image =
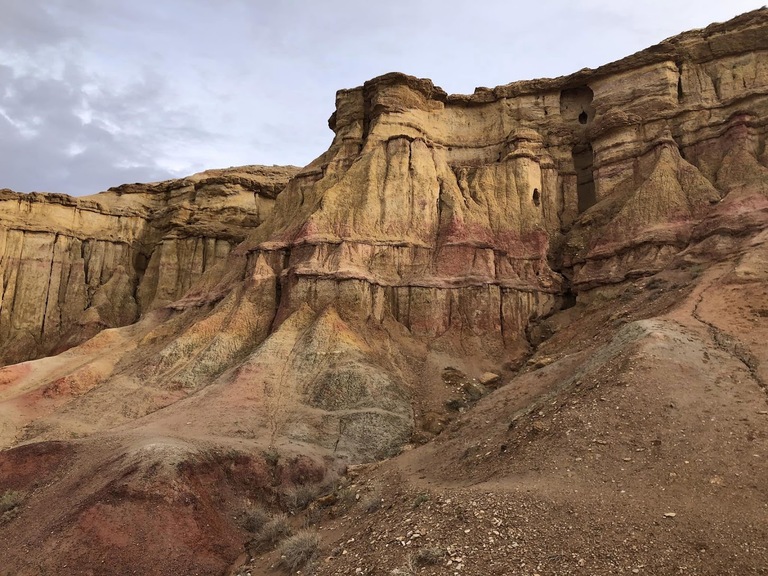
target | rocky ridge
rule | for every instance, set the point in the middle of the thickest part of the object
(556, 240)
(74, 266)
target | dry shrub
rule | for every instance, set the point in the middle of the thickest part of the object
(301, 469)
(347, 496)
(299, 550)
(254, 518)
(371, 502)
(297, 498)
(420, 499)
(428, 556)
(272, 531)
(10, 503)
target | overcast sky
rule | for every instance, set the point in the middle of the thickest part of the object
(95, 93)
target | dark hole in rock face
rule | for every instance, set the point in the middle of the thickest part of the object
(536, 197)
(576, 105)
(583, 158)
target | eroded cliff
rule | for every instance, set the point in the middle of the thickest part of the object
(442, 247)
(71, 267)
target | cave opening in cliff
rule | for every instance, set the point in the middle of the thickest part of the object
(568, 300)
(576, 104)
(536, 197)
(583, 160)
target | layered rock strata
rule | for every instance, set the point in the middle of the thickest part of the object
(273, 337)
(73, 266)
(462, 212)
(433, 232)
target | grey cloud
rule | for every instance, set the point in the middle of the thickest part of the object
(48, 141)
(66, 128)
(30, 25)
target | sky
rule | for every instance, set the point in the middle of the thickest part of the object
(96, 93)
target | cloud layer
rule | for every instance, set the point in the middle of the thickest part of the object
(95, 93)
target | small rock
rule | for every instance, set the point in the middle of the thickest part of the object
(540, 362)
(474, 390)
(490, 379)
(538, 427)
(670, 514)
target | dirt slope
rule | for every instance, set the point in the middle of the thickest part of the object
(643, 451)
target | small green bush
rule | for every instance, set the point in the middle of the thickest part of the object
(10, 500)
(420, 499)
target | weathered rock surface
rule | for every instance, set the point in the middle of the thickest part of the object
(73, 266)
(439, 226)
(440, 234)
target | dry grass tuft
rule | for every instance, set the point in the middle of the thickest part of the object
(371, 502)
(297, 498)
(299, 550)
(254, 519)
(428, 556)
(10, 500)
(274, 530)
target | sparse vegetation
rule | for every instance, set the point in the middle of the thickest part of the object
(696, 270)
(10, 500)
(420, 499)
(455, 405)
(313, 516)
(656, 284)
(272, 456)
(299, 550)
(297, 498)
(254, 518)
(9, 503)
(346, 498)
(275, 529)
(428, 556)
(371, 502)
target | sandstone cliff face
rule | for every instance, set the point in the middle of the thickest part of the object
(449, 213)
(434, 232)
(441, 237)
(73, 266)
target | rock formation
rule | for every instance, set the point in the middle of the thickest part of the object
(73, 266)
(276, 322)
